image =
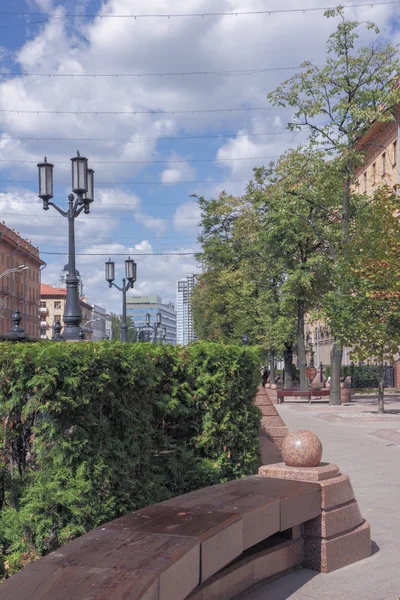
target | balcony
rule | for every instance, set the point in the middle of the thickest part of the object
(43, 310)
(44, 324)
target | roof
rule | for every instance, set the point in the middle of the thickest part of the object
(13, 237)
(49, 290)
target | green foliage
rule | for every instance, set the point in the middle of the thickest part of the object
(91, 431)
(116, 323)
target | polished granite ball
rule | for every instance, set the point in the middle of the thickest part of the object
(301, 448)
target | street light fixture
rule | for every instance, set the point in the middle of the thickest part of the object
(154, 327)
(14, 270)
(130, 274)
(82, 330)
(83, 187)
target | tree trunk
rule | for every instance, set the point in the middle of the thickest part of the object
(346, 206)
(336, 363)
(301, 348)
(288, 359)
(272, 368)
(381, 389)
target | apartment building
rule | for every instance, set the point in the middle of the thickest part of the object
(19, 290)
(184, 290)
(52, 304)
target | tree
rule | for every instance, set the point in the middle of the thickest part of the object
(298, 200)
(116, 323)
(238, 291)
(337, 104)
(266, 259)
(367, 315)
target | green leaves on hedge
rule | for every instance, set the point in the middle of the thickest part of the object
(91, 431)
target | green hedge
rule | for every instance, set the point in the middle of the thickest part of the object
(91, 431)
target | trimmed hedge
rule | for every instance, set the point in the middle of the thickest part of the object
(91, 431)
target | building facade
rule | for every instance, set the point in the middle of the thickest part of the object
(99, 323)
(184, 323)
(19, 291)
(52, 304)
(137, 307)
(108, 327)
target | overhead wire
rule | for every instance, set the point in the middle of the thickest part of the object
(235, 13)
(225, 73)
(145, 162)
(144, 140)
(134, 112)
(166, 183)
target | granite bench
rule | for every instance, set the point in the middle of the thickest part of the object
(209, 544)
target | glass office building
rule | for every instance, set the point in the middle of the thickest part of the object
(137, 307)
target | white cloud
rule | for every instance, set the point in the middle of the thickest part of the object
(187, 217)
(112, 144)
(113, 198)
(176, 172)
(154, 223)
(157, 273)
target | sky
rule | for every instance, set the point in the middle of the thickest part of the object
(196, 121)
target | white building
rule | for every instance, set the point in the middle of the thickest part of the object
(137, 307)
(184, 322)
(99, 323)
(108, 328)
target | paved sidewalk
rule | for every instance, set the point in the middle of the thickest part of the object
(373, 465)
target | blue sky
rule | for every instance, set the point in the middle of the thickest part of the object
(144, 179)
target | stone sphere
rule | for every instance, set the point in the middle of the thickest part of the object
(267, 386)
(301, 448)
(274, 386)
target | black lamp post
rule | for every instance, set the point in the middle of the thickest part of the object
(130, 272)
(245, 339)
(83, 188)
(153, 327)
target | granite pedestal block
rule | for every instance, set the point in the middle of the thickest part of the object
(338, 536)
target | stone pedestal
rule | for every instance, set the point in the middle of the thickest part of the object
(339, 536)
(345, 395)
(272, 425)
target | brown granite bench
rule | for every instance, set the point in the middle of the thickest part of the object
(210, 544)
(167, 550)
(309, 394)
(282, 394)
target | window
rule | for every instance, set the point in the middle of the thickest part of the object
(365, 182)
(395, 153)
(57, 318)
(57, 305)
(42, 304)
(383, 164)
(374, 174)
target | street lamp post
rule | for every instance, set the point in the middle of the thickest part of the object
(154, 327)
(83, 188)
(130, 273)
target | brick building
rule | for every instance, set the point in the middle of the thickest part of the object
(19, 290)
(52, 303)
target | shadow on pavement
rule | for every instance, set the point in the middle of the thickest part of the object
(374, 548)
(280, 589)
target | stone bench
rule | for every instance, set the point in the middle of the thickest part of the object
(211, 544)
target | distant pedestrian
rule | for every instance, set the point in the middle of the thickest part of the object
(265, 375)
